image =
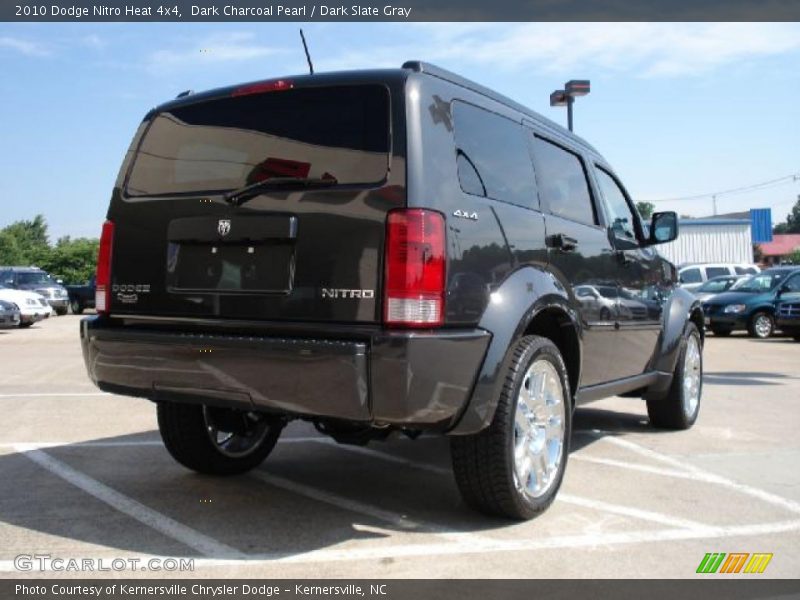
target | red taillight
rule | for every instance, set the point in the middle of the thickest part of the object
(278, 85)
(102, 293)
(415, 268)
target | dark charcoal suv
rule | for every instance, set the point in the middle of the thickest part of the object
(376, 252)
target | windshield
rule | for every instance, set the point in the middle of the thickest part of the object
(763, 282)
(339, 133)
(34, 278)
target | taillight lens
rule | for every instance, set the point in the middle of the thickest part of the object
(102, 293)
(415, 268)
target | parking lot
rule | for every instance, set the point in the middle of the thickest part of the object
(84, 475)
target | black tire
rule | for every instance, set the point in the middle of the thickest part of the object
(25, 325)
(184, 430)
(721, 331)
(483, 463)
(76, 306)
(61, 311)
(751, 325)
(605, 314)
(668, 411)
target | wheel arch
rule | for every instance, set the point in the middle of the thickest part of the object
(529, 302)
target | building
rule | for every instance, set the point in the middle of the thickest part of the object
(710, 240)
(778, 250)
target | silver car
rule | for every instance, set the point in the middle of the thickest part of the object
(9, 315)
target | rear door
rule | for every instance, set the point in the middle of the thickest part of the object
(290, 252)
(579, 251)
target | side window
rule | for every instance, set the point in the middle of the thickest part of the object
(620, 215)
(492, 156)
(561, 179)
(712, 272)
(690, 276)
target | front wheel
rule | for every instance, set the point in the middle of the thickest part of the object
(514, 467)
(217, 441)
(679, 407)
(761, 325)
(76, 306)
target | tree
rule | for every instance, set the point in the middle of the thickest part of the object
(792, 224)
(645, 209)
(794, 257)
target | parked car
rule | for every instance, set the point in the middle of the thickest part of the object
(9, 314)
(717, 285)
(81, 297)
(283, 250)
(788, 314)
(751, 303)
(693, 276)
(32, 306)
(36, 280)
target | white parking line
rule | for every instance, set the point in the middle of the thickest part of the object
(55, 395)
(145, 515)
(634, 466)
(700, 474)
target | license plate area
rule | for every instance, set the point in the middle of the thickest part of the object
(244, 255)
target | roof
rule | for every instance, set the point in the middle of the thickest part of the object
(781, 244)
(690, 222)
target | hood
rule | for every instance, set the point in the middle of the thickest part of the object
(17, 295)
(735, 297)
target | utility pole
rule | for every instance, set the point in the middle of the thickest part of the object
(566, 97)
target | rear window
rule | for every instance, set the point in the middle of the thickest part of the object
(340, 132)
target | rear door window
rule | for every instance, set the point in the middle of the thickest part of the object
(340, 132)
(691, 276)
(492, 156)
(562, 184)
(712, 272)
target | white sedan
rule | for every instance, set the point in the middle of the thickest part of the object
(32, 306)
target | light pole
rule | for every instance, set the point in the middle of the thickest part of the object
(566, 97)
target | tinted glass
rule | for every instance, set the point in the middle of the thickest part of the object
(223, 144)
(745, 270)
(620, 214)
(33, 278)
(719, 285)
(493, 156)
(712, 272)
(691, 276)
(762, 283)
(562, 182)
(793, 284)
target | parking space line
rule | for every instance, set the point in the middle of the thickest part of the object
(54, 395)
(147, 516)
(636, 513)
(634, 467)
(700, 474)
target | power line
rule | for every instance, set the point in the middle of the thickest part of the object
(747, 188)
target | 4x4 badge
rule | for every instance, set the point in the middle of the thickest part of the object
(224, 227)
(472, 216)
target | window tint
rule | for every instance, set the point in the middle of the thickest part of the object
(340, 132)
(712, 272)
(690, 276)
(620, 215)
(745, 271)
(562, 182)
(492, 155)
(718, 285)
(793, 284)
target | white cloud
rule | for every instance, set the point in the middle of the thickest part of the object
(644, 49)
(220, 48)
(24, 47)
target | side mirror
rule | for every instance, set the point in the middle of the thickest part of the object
(663, 228)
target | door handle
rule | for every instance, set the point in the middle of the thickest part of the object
(562, 242)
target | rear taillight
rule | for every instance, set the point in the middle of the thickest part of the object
(415, 268)
(102, 293)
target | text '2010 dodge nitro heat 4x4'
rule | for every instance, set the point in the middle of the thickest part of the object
(384, 251)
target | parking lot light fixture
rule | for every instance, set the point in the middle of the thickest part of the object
(566, 97)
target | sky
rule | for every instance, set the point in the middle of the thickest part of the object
(679, 109)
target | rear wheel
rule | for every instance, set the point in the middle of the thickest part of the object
(514, 467)
(217, 441)
(761, 325)
(76, 306)
(679, 407)
(721, 331)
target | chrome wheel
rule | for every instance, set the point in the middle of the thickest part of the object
(692, 376)
(539, 425)
(235, 433)
(763, 325)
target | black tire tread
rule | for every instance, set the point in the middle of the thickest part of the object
(183, 430)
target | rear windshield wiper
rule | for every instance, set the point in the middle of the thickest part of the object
(241, 195)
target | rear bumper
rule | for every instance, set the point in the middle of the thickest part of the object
(414, 379)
